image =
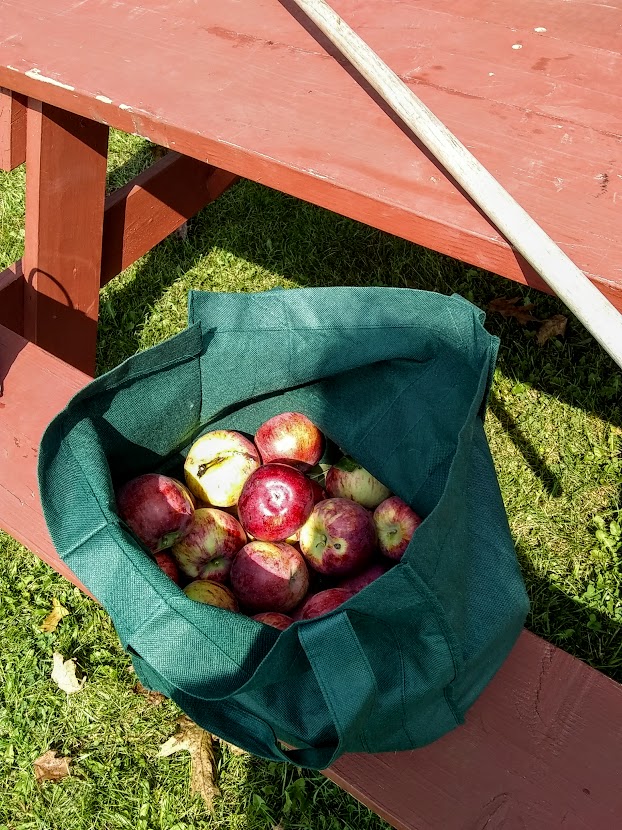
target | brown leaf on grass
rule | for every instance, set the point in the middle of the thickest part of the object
(198, 743)
(553, 327)
(64, 674)
(510, 308)
(155, 698)
(49, 767)
(52, 620)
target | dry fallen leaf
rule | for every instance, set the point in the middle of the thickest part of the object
(155, 698)
(510, 308)
(198, 743)
(50, 768)
(64, 674)
(551, 328)
(54, 617)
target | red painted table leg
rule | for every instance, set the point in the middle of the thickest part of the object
(65, 190)
(12, 129)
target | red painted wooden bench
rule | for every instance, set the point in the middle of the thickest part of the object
(243, 89)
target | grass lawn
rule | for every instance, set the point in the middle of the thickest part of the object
(555, 430)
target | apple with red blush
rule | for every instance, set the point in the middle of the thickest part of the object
(395, 524)
(347, 479)
(339, 537)
(165, 561)
(323, 603)
(275, 501)
(157, 508)
(207, 550)
(269, 576)
(211, 593)
(273, 618)
(290, 438)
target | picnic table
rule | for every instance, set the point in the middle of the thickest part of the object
(249, 89)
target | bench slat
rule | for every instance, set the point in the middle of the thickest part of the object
(35, 385)
(541, 748)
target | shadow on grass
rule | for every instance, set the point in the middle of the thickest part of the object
(305, 245)
(533, 458)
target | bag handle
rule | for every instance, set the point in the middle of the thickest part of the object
(348, 687)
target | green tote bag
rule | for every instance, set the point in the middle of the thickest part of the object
(398, 379)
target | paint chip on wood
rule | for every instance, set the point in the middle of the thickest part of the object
(36, 75)
(517, 46)
(539, 29)
(104, 99)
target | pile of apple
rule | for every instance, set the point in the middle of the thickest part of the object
(261, 526)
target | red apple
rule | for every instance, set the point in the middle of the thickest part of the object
(290, 438)
(156, 508)
(339, 537)
(211, 593)
(164, 560)
(188, 492)
(319, 493)
(348, 480)
(395, 524)
(275, 501)
(276, 620)
(354, 584)
(269, 576)
(324, 602)
(208, 548)
(217, 466)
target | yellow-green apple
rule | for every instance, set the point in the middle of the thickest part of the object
(275, 501)
(324, 602)
(354, 584)
(339, 537)
(211, 593)
(208, 548)
(157, 508)
(218, 465)
(165, 561)
(290, 438)
(348, 480)
(395, 524)
(273, 618)
(269, 576)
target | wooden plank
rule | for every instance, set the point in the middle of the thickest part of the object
(12, 129)
(65, 190)
(544, 118)
(153, 205)
(12, 297)
(35, 385)
(541, 748)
